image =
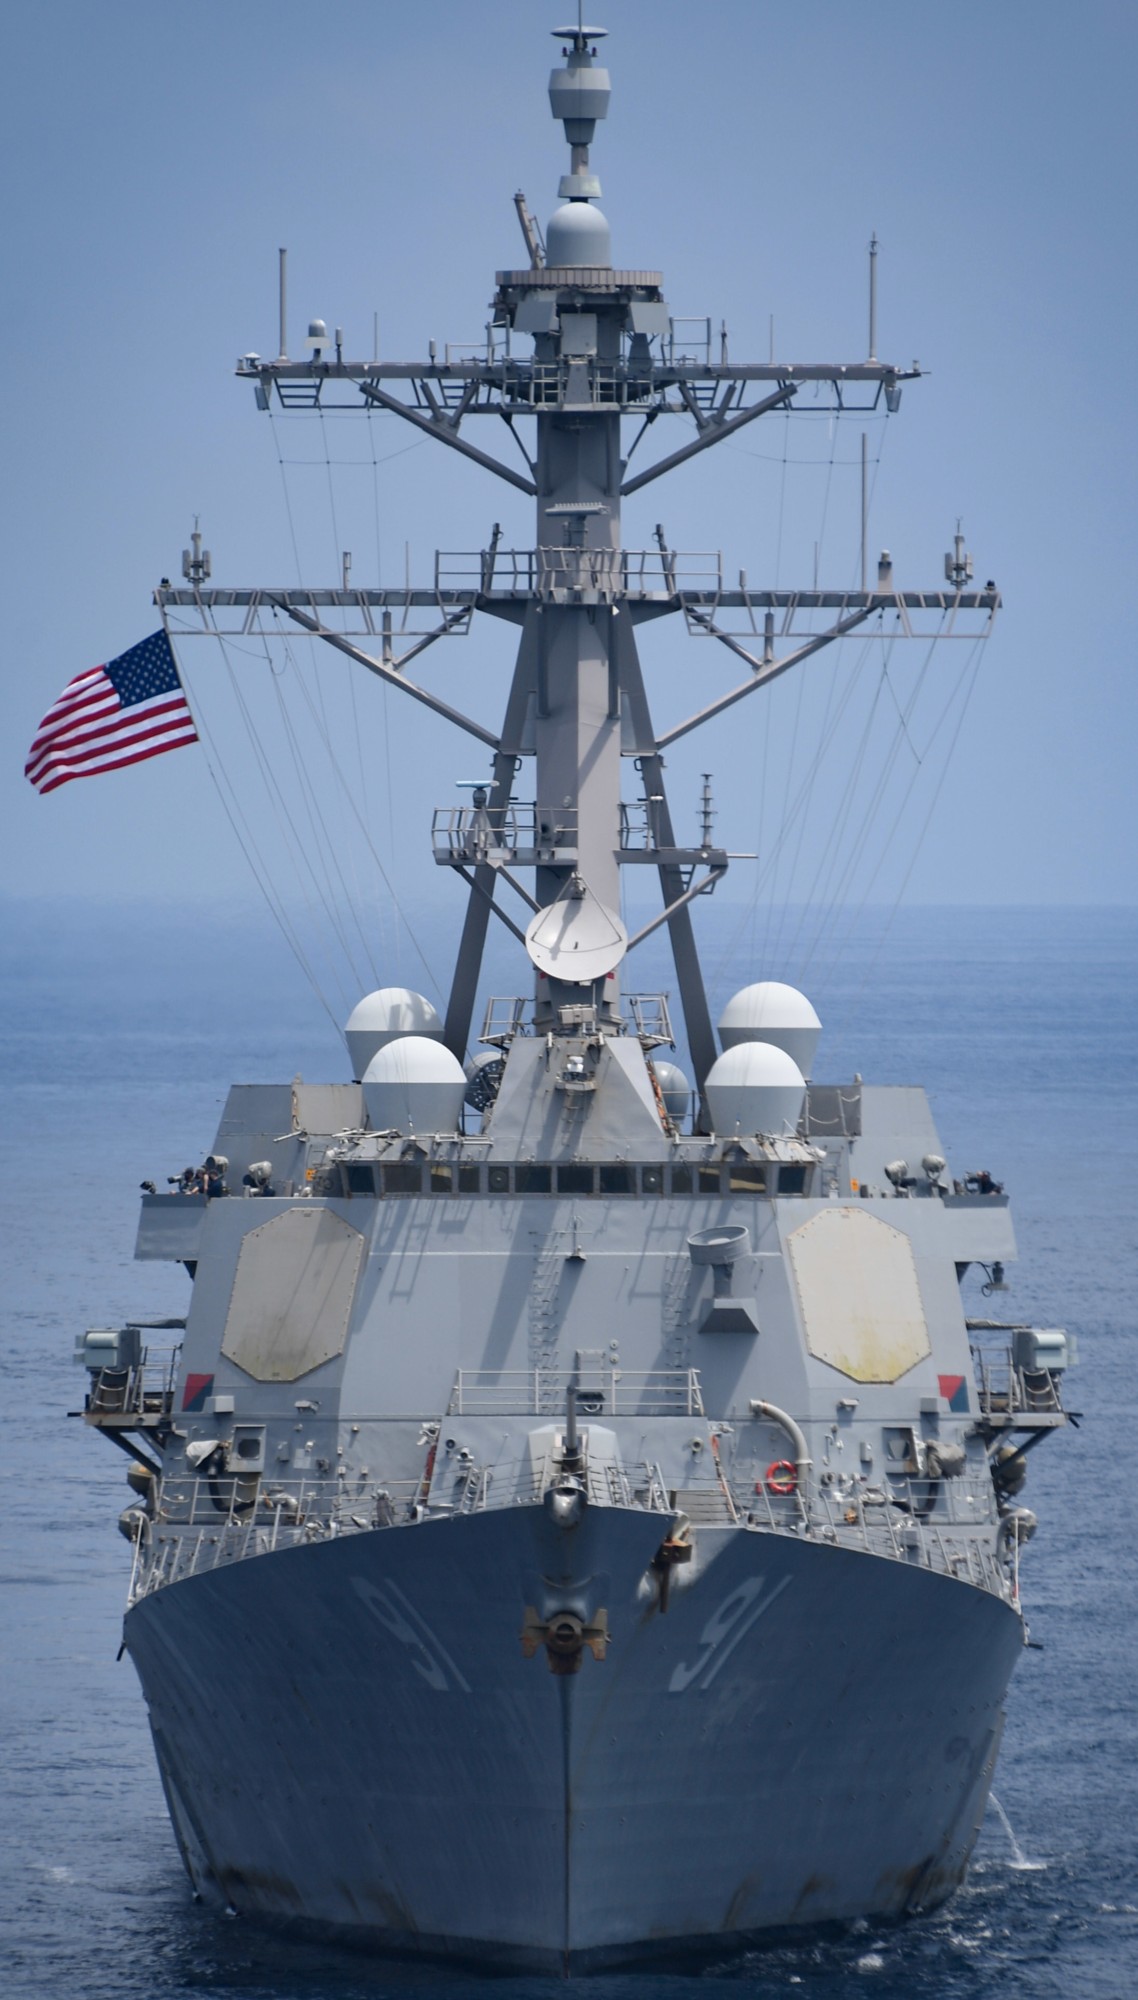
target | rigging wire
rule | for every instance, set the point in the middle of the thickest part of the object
(287, 496)
(834, 887)
(362, 824)
(774, 907)
(327, 848)
(804, 814)
(781, 501)
(291, 844)
(975, 656)
(323, 726)
(337, 562)
(799, 694)
(767, 863)
(246, 839)
(373, 417)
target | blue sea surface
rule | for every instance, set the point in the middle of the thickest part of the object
(121, 1032)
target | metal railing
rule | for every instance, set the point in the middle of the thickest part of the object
(606, 573)
(1004, 1390)
(546, 384)
(603, 1391)
(528, 833)
(208, 1523)
(201, 1524)
(505, 1017)
(914, 1521)
(144, 1390)
(521, 830)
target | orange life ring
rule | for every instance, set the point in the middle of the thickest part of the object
(782, 1477)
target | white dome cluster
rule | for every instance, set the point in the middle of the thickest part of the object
(754, 1088)
(772, 1012)
(414, 1085)
(769, 1034)
(382, 1017)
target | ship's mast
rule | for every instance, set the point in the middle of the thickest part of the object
(605, 352)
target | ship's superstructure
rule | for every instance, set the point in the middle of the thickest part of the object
(577, 1517)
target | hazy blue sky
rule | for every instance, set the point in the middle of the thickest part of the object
(157, 155)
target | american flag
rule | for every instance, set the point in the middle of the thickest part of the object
(133, 708)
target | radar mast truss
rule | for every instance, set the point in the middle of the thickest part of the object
(606, 351)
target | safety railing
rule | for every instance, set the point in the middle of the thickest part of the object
(522, 832)
(561, 571)
(208, 1523)
(910, 1520)
(203, 1523)
(144, 1390)
(576, 380)
(1004, 1389)
(607, 1391)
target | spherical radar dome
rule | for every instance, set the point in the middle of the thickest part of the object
(774, 1013)
(381, 1017)
(755, 1088)
(578, 235)
(414, 1085)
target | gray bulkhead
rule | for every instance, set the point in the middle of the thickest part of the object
(507, 1287)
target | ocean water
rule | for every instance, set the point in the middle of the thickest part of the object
(120, 1033)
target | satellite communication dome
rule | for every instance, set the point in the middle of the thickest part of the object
(414, 1085)
(578, 234)
(753, 1088)
(674, 1089)
(772, 1012)
(381, 1017)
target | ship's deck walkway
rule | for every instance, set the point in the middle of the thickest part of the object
(205, 1524)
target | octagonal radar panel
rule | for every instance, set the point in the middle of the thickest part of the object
(576, 939)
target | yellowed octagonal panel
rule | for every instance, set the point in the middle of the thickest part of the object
(292, 1294)
(861, 1303)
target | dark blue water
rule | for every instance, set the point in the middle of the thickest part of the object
(120, 1034)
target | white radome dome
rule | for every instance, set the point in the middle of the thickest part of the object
(578, 235)
(754, 1088)
(774, 1013)
(381, 1017)
(414, 1085)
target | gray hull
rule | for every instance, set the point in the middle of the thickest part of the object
(350, 1734)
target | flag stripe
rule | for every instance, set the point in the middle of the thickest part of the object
(111, 716)
(78, 687)
(118, 763)
(83, 750)
(99, 702)
(119, 725)
(99, 757)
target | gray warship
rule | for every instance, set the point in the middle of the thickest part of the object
(576, 1519)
